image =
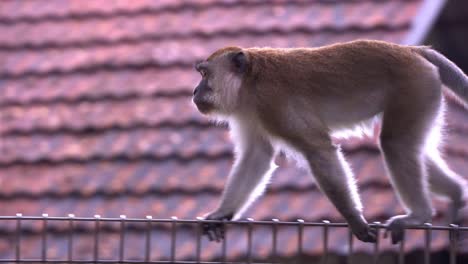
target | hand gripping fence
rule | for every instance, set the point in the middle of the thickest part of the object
(149, 242)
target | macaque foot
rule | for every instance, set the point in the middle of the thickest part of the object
(459, 216)
(365, 233)
(215, 231)
(396, 226)
(458, 212)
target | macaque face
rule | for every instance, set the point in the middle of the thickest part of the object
(217, 92)
(204, 94)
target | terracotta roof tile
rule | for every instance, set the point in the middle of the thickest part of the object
(119, 85)
(148, 177)
(187, 24)
(57, 10)
(127, 144)
(164, 53)
(86, 116)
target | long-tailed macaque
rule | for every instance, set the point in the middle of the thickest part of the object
(300, 97)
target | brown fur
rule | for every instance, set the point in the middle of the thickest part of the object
(223, 51)
(300, 96)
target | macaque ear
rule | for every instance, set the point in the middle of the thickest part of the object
(239, 61)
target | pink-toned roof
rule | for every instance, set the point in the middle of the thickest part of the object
(96, 116)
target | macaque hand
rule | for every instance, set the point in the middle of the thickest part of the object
(365, 233)
(216, 231)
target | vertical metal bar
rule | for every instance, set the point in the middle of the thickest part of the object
(427, 247)
(173, 238)
(18, 237)
(44, 238)
(377, 243)
(122, 238)
(274, 240)
(453, 234)
(325, 241)
(249, 240)
(97, 230)
(350, 246)
(401, 253)
(148, 238)
(300, 234)
(224, 243)
(199, 239)
(70, 237)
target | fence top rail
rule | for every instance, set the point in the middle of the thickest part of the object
(199, 220)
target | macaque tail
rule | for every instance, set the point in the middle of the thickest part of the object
(450, 74)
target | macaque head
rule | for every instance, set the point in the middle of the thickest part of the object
(222, 74)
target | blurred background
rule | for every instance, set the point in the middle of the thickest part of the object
(96, 118)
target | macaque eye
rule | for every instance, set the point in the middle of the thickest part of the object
(203, 73)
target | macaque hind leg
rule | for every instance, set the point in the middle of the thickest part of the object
(405, 128)
(307, 134)
(445, 182)
(407, 172)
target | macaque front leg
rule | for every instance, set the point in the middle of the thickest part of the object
(246, 181)
(335, 179)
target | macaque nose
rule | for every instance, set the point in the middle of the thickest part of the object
(195, 91)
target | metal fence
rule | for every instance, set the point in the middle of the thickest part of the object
(453, 232)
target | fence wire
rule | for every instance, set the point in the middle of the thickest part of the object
(453, 231)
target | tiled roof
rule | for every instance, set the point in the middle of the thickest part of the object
(96, 116)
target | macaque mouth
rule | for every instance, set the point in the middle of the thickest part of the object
(203, 107)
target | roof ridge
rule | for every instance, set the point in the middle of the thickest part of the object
(220, 155)
(153, 37)
(109, 97)
(164, 192)
(223, 154)
(93, 129)
(91, 69)
(119, 12)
